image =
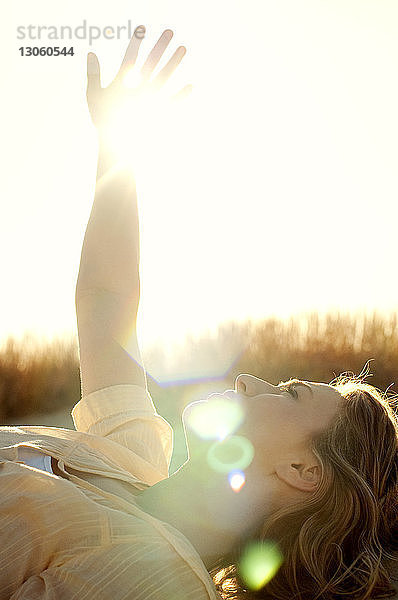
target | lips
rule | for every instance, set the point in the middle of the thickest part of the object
(228, 394)
(232, 396)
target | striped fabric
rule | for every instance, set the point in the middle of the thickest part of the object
(83, 536)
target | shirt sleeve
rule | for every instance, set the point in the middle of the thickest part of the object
(126, 414)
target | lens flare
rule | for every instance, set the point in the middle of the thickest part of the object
(236, 480)
(215, 419)
(232, 454)
(259, 563)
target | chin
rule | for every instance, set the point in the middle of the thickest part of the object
(191, 439)
(188, 409)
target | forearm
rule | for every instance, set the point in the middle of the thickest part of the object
(107, 290)
(110, 253)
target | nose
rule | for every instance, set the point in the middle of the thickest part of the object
(252, 386)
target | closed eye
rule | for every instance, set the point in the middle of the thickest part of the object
(290, 389)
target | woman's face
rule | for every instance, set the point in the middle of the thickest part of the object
(281, 420)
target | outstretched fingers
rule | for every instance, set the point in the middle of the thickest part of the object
(169, 68)
(131, 54)
(156, 54)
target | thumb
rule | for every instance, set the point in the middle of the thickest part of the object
(93, 73)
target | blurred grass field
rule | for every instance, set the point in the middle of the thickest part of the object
(40, 382)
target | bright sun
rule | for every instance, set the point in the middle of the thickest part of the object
(142, 125)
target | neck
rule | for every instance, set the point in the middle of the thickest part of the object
(201, 505)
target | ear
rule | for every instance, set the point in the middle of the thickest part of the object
(304, 477)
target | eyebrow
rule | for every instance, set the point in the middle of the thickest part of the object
(294, 383)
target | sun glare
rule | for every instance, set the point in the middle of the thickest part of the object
(215, 419)
(140, 126)
(132, 78)
(219, 172)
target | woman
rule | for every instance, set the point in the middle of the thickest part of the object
(93, 513)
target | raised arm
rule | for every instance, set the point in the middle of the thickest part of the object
(108, 284)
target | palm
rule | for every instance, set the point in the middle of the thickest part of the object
(105, 103)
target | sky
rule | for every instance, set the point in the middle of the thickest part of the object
(274, 194)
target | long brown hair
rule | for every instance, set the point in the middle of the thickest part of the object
(344, 539)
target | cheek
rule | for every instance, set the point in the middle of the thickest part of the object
(274, 427)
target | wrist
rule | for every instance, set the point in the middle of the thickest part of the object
(108, 156)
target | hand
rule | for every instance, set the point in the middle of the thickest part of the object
(106, 103)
